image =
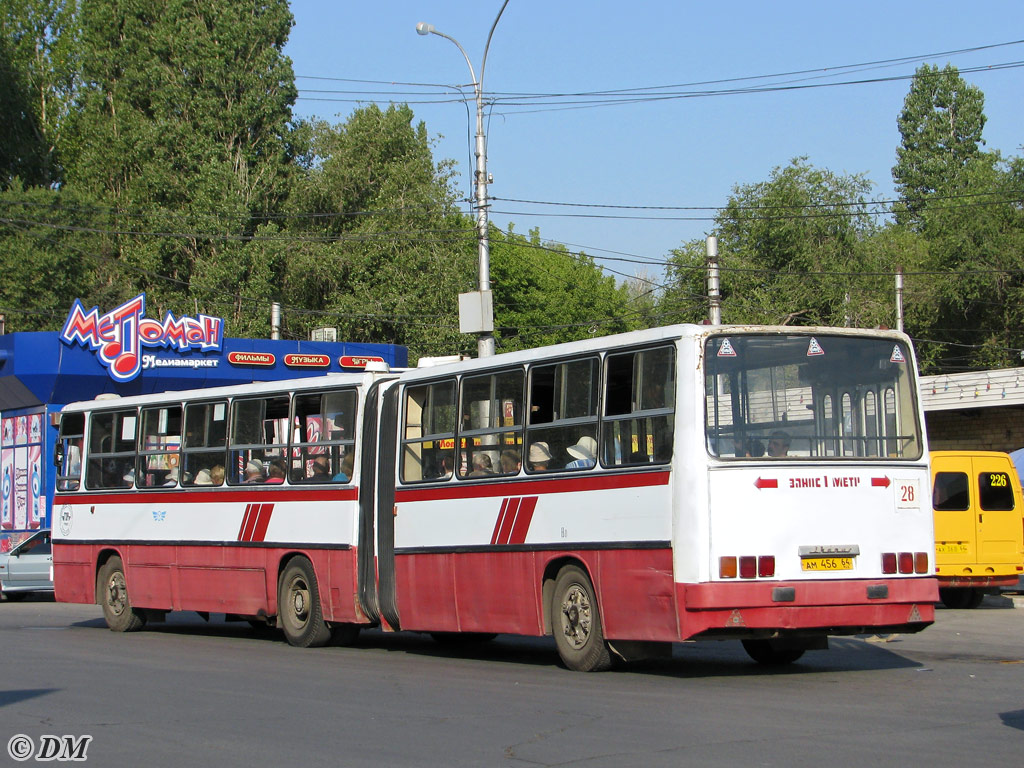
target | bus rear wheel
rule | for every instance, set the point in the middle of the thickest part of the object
(300, 614)
(112, 590)
(576, 623)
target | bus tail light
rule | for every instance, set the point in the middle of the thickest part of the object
(746, 567)
(905, 562)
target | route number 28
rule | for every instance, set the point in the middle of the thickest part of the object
(908, 493)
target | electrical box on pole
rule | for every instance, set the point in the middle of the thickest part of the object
(476, 312)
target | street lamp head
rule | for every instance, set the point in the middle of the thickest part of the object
(424, 29)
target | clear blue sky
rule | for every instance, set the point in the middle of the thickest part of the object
(678, 152)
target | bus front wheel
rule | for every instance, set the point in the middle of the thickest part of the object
(576, 622)
(298, 606)
(112, 590)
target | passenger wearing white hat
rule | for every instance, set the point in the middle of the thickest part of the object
(203, 477)
(540, 456)
(254, 473)
(584, 453)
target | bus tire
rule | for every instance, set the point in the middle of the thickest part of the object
(576, 622)
(763, 652)
(961, 597)
(112, 590)
(300, 614)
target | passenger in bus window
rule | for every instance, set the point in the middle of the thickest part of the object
(217, 474)
(778, 444)
(172, 477)
(584, 453)
(511, 462)
(276, 472)
(254, 473)
(203, 477)
(321, 469)
(540, 456)
(347, 463)
(482, 465)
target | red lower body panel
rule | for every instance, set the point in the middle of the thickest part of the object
(503, 591)
(217, 579)
(841, 607)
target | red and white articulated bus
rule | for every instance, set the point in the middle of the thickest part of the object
(764, 484)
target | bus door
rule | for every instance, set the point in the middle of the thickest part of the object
(376, 554)
(977, 510)
(998, 516)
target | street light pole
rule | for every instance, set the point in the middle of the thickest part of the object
(479, 305)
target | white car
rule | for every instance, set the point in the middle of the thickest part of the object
(28, 567)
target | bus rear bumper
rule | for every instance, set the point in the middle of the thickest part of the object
(811, 607)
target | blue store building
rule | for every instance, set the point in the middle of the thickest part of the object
(124, 353)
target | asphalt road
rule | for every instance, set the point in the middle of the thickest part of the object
(188, 693)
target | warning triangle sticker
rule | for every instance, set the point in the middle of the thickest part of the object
(726, 349)
(897, 355)
(814, 348)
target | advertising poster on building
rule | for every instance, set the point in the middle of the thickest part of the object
(20, 487)
(7, 468)
(36, 497)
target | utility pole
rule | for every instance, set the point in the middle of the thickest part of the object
(899, 299)
(476, 309)
(714, 295)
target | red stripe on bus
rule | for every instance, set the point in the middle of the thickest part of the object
(523, 519)
(593, 482)
(248, 522)
(509, 521)
(262, 522)
(500, 520)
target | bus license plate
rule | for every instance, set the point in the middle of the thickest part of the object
(827, 563)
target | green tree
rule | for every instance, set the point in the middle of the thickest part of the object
(181, 129)
(941, 126)
(37, 44)
(47, 255)
(543, 294)
(380, 251)
(789, 249)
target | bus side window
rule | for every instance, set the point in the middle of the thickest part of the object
(428, 432)
(562, 424)
(639, 407)
(323, 429)
(69, 467)
(111, 450)
(204, 443)
(491, 424)
(159, 456)
(258, 440)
